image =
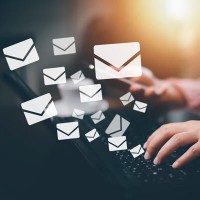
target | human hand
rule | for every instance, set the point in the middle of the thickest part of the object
(156, 91)
(170, 137)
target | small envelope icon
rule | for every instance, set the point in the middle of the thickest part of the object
(97, 117)
(92, 135)
(54, 76)
(140, 106)
(79, 114)
(137, 151)
(127, 98)
(62, 46)
(117, 143)
(117, 60)
(77, 77)
(39, 109)
(69, 130)
(21, 54)
(90, 93)
(117, 127)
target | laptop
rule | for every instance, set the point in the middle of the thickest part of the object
(120, 168)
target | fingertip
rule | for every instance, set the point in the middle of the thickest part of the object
(176, 165)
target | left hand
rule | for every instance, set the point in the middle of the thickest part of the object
(170, 137)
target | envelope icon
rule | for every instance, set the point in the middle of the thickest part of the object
(117, 127)
(98, 117)
(137, 151)
(62, 46)
(92, 135)
(21, 54)
(79, 114)
(140, 106)
(127, 98)
(69, 130)
(77, 77)
(117, 143)
(117, 60)
(39, 109)
(90, 93)
(54, 76)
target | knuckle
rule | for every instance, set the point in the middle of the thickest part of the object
(151, 148)
(177, 139)
(194, 150)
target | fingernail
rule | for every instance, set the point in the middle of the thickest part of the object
(145, 145)
(147, 156)
(156, 161)
(175, 165)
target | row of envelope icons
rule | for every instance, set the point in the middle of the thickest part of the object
(70, 130)
(112, 61)
(43, 107)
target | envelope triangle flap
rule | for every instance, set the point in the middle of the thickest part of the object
(77, 75)
(91, 133)
(63, 43)
(117, 54)
(140, 105)
(115, 125)
(37, 105)
(79, 112)
(126, 97)
(19, 50)
(136, 149)
(90, 90)
(97, 115)
(67, 127)
(117, 141)
(54, 72)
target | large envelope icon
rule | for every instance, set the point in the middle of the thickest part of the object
(92, 135)
(127, 98)
(140, 106)
(98, 117)
(77, 77)
(117, 60)
(117, 127)
(79, 114)
(21, 54)
(90, 93)
(117, 143)
(69, 130)
(54, 76)
(39, 109)
(62, 46)
(137, 151)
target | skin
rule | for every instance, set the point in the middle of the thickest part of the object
(169, 137)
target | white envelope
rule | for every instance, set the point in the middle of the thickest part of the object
(117, 60)
(140, 106)
(137, 151)
(62, 46)
(39, 109)
(79, 114)
(92, 135)
(54, 76)
(90, 93)
(127, 98)
(77, 77)
(21, 54)
(117, 143)
(97, 117)
(117, 127)
(69, 130)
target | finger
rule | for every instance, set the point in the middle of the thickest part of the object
(136, 87)
(178, 140)
(160, 137)
(192, 153)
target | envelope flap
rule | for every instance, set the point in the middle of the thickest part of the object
(126, 97)
(19, 50)
(64, 43)
(37, 105)
(97, 115)
(54, 72)
(90, 90)
(67, 127)
(117, 141)
(77, 75)
(79, 112)
(115, 125)
(91, 133)
(140, 105)
(117, 54)
(136, 149)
